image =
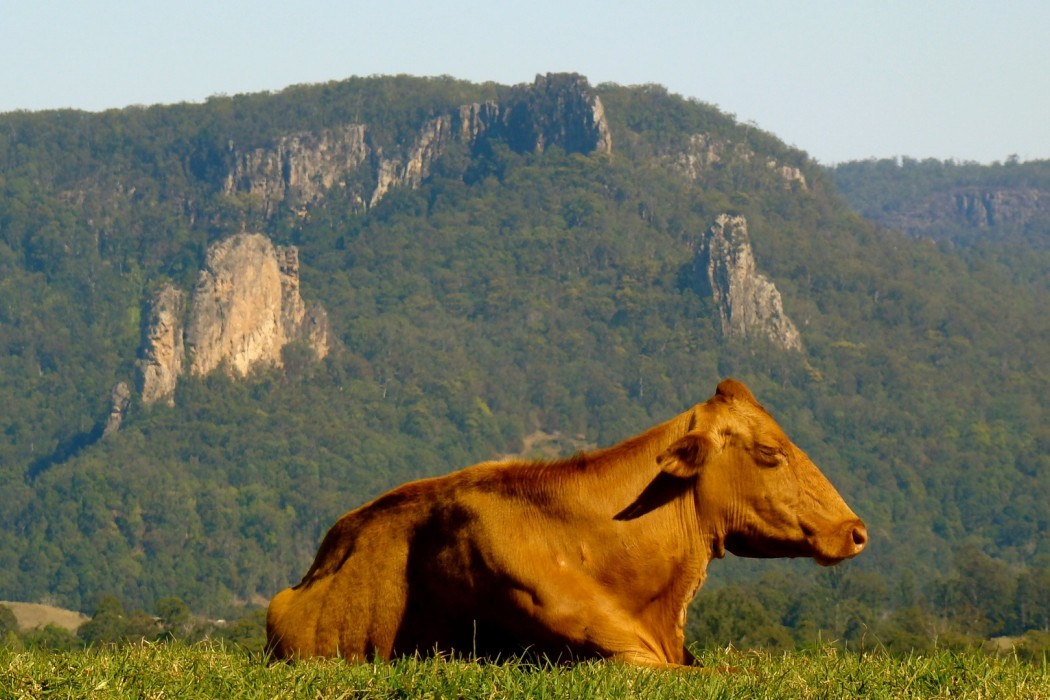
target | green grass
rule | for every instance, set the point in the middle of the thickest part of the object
(211, 671)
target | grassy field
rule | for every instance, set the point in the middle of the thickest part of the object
(31, 615)
(210, 671)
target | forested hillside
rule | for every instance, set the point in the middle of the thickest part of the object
(486, 276)
(963, 203)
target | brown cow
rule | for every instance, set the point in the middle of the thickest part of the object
(597, 555)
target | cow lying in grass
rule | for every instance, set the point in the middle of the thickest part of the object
(597, 555)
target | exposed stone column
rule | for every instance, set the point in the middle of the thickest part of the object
(120, 399)
(748, 303)
(164, 350)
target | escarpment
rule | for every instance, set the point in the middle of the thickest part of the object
(245, 308)
(300, 168)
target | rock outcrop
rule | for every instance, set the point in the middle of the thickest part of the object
(704, 152)
(236, 312)
(120, 400)
(556, 110)
(307, 323)
(245, 309)
(980, 210)
(163, 349)
(305, 164)
(749, 304)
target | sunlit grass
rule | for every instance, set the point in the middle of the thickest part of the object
(212, 671)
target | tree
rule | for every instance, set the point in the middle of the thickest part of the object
(8, 625)
(174, 617)
(52, 638)
(979, 596)
(107, 625)
(111, 625)
(734, 615)
(1033, 599)
(248, 631)
(508, 292)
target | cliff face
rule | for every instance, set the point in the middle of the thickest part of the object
(305, 164)
(961, 203)
(749, 304)
(556, 110)
(246, 305)
(236, 313)
(164, 349)
(245, 309)
(973, 208)
(704, 152)
(119, 400)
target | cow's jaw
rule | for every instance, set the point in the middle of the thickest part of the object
(827, 545)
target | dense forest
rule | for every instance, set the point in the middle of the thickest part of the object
(521, 286)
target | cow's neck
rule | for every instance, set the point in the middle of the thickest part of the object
(629, 476)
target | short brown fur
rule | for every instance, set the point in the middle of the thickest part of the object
(593, 556)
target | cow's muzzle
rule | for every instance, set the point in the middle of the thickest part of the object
(848, 542)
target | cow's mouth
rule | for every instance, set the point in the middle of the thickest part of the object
(848, 542)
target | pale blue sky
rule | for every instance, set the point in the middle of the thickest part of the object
(841, 80)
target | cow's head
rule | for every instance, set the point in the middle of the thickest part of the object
(763, 493)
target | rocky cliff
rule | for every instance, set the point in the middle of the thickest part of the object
(119, 401)
(304, 164)
(244, 310)
(704, 152)
(973, 208)
(556, 110)
(163, 348)
(748, 303)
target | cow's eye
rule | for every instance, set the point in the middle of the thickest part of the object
(771, 456)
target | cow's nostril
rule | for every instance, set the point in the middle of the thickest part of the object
(860, 536)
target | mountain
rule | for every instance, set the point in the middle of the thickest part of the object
(485, 263)
(963, 203)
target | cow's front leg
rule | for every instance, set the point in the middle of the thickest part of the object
(583, 619)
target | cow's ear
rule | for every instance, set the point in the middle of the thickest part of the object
(685, 457)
